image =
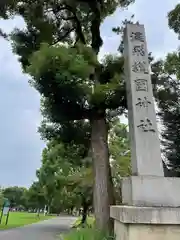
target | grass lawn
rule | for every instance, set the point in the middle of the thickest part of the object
(86, 234)
(89, 222)
(17, 219)
(79, 233)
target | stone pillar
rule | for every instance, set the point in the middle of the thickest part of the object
(151, 202)
(145, 144)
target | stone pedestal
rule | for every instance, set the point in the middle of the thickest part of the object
(151, 191)
(146, 223)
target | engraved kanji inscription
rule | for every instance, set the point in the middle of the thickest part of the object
(140, 67)
(143, 102)
(137, 36)
(141, 85)
(139, 50)
(146, 125)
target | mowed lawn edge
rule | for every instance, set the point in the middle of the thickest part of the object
(20, 219)
(79, 233)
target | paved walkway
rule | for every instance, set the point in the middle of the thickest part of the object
(46, 230)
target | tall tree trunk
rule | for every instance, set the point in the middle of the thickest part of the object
(72, 208)
(49, 209)
(49, 206)
(84, 212)
(103, 185)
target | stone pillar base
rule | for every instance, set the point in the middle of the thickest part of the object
(146, 223)
(151, 191)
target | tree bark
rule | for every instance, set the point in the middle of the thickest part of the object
(103, 185)
(72, 208)
(84, 213)
(49, 208)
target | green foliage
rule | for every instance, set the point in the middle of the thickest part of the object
(1, 198)
(61, 21)
(120, 149)
(88, 234)
(71, 132)
(16, 196)
(62, 75)
(89, 222)
(75, 63)
(166, 75)
(7, 7)
(174, 19)
(65, 85)
(64, 177)
(172, 64)
(69, 86)
(35, 196)
(120, 157)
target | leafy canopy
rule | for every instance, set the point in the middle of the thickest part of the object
(174, 19)
(73, 84)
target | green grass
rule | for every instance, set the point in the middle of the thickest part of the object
(89, 222)
(18, 219)
(86, 234)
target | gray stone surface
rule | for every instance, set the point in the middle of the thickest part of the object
(151, 191)
(145, 215)
(132, 231)
(46, 230)
(145, 144)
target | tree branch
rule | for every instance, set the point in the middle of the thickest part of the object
(78, 27)
(95, 26)
(60, 38)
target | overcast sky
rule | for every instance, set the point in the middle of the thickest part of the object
(20, 144)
